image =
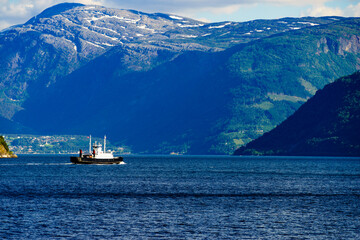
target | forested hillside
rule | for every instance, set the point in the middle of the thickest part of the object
(326, 125)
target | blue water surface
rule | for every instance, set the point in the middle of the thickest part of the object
(180, 197)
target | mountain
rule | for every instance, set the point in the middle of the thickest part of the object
(196, 102)
(65, 37)
(183, 86)
(4, 149)
(326, 125)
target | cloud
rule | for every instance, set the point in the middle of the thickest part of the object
(9, 9)
(194, 8)
(353, 11)
(215, 6)
(225, 10)
(295, 2)
(4, 24)
(19, 11)
(322, 10)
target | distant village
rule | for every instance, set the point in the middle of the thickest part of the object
(57, 144)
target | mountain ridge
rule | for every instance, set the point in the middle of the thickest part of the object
(54, 10)
(200, 100)
(186, 87)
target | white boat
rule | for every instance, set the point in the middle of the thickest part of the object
(96, 156)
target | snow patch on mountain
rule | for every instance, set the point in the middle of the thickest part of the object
(107, 29)
(189, 26)
(176, 17)
(93, 44)
(144, 27)
(224, 34)
(220, 26)
(309, 23)
(187, 36)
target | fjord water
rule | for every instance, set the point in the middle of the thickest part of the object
(192, 197)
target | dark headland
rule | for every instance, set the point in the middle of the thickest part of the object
(328, 124)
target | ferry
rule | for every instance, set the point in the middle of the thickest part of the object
(96, 156)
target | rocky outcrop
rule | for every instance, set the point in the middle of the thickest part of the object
(4, 149)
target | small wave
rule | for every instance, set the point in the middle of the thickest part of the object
(33, 164)
(10, 164)
(99, 164)
(169, 195)
(58, 164)
(44, 164)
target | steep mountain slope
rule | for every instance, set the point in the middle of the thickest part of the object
(326, 125)
(63, 38)
(67, 36)
(276, 75)
(196, 102)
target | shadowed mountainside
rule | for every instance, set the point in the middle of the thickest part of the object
(326, 125)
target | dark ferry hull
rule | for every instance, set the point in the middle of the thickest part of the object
(86, 160)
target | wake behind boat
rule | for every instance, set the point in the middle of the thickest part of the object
(96, 156)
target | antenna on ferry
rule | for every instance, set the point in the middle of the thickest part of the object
(105, 143)
(90, 145)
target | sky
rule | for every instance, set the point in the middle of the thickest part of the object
(14, 12)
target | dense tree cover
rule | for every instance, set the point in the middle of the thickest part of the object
(328, 124)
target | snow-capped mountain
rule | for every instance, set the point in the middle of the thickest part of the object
(90, 30)
(66, 36)
(70, 50)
